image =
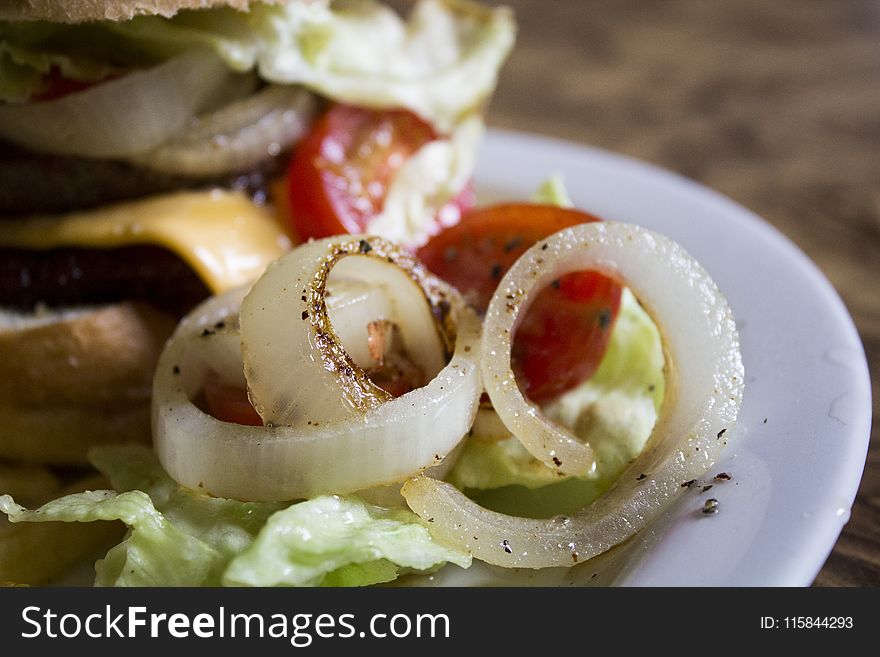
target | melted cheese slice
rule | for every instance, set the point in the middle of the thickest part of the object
(223, 236)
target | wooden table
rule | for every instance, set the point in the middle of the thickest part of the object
(775, 104)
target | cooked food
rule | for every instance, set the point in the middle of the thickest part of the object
(294, 490)
(414, 385)
(154, 154)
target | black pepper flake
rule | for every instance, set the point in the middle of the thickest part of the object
(594, 576)
(711, 506)
(305, 314)
(765, 420)
(641, 476)
(176, 369)
(652, 388)
(556, 284)
(557, 461)
(512, 244)
(467, 349)
(206, 332)
(604, 319)
(364, 246)
(543, 247)
(707, 487)
(495, 272)
(220, 325)
(574, 557)
(689, 483)
(721, 433)
(505, 544)
(722, 476)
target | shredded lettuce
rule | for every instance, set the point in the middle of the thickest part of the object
(553, 192)
(331, 539)
(441, 63)
(180, 537)
(615, 410)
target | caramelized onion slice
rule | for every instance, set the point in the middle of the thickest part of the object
(704, 392)
(126, 115)
(237, 136)
(364, 447)
(299, 372)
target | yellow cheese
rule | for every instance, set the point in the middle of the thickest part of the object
(224, 237)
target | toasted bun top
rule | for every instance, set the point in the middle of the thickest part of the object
(82, 11)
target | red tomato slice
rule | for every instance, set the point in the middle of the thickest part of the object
(229, 404)
(339, 174)
(565, 331)
(56, 86)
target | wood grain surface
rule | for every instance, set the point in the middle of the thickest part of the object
(775, 104)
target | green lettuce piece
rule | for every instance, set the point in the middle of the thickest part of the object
(341, 541)
(180, 537)
(615, 410)
(441, 63)
(553, 192)
(155, 553)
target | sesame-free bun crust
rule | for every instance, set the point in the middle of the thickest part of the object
(83, 11)
(73, 380)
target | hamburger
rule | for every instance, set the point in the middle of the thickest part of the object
(155, 152)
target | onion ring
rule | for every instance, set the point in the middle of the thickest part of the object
(284, 320)
(126, 115)
(704, 393)
(237, 136)
(371, 445)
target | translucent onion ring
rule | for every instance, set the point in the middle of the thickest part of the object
(704, 392)
(237, 136)
(126, 115)
(298, 372)
(376, 446)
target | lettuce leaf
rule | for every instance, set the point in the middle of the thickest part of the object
(615, 409)
(427, 181)
(336, 540)
(180, 537)
(553, 192)
(441, 63)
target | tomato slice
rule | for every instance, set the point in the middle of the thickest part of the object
(56, 86)
(229, 404)
(564, 334)
(340, 173)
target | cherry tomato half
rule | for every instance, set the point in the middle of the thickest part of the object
(229, 404)
(340, 173)
(56, 86)
(565, 331)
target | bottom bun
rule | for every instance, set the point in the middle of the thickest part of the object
(73, 379)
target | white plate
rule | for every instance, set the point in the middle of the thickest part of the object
(794, 476)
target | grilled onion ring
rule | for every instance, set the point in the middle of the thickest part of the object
(704, 392)
(372, 444)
